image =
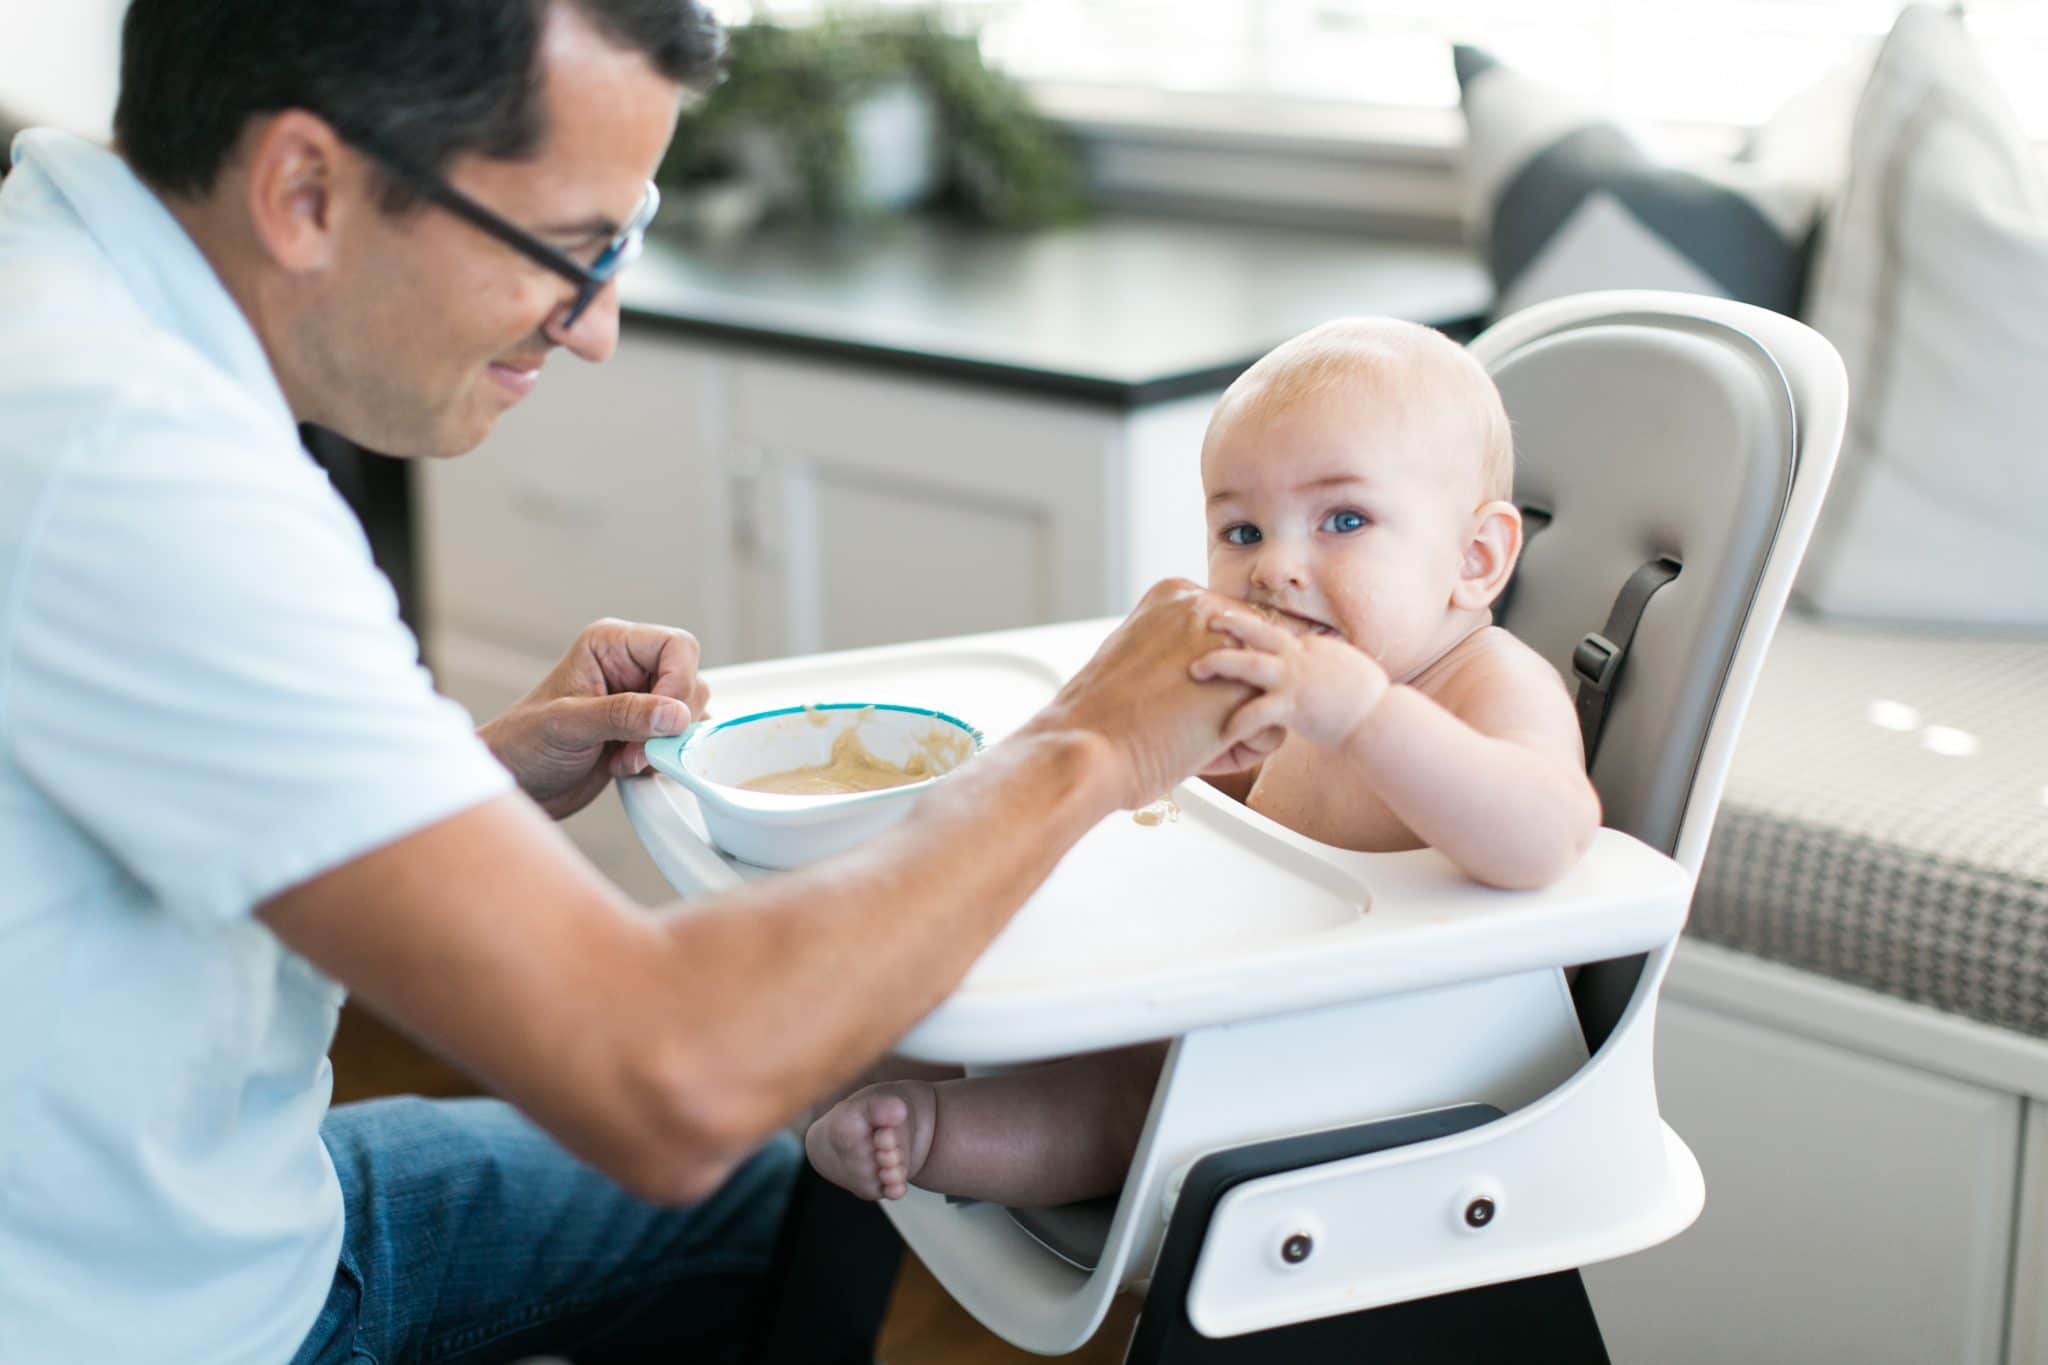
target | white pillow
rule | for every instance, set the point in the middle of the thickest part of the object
(1565, 198)
(1932, 281)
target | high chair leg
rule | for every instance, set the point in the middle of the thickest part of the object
(1546, 1318)
(835, 1266)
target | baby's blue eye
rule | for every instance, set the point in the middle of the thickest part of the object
(1242, 534)
(1343, 522)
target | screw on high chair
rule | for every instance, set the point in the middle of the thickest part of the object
(1401, 1141)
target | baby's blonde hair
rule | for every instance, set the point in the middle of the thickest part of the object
(1418, 371)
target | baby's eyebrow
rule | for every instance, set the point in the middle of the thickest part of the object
(1331, 481)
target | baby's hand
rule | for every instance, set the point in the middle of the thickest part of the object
(1316, 686)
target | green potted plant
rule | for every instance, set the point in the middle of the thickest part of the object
(846, 119)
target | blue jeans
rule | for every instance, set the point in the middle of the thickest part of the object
(471, 1237)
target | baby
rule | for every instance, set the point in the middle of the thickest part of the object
(1358, 483)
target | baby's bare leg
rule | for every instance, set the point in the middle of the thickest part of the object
(889, 1068)
(1047, 1135)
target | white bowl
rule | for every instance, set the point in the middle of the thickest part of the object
(770, 829)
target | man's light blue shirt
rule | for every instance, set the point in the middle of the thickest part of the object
(206, 697)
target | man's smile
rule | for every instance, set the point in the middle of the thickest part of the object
(517, 378)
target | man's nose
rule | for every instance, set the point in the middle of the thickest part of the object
(596, 334)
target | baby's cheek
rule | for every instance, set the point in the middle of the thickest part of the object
(1227, 579)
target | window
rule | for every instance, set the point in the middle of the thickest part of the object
(1713, 62)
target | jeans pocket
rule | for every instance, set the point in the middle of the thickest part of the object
(335, 1335)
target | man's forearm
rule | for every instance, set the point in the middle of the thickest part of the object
(661, 1049)
(870, 942)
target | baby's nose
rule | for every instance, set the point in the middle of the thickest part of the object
(1277, 566)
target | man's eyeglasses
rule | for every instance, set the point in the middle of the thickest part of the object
(618, 253)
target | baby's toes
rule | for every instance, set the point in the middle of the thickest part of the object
(848, 1128)
(887, 1111)
(844, 1154)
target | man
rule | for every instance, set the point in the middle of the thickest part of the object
(227, 790)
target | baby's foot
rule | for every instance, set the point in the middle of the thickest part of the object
(874, 1142)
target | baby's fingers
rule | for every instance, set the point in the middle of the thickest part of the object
(1250, 723)
(1254, 669)
(1251, 630)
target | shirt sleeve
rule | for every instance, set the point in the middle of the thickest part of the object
(209, 673)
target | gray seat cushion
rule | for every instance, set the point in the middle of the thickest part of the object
(1886, 819)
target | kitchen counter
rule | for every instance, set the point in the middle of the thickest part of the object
(1122, 310)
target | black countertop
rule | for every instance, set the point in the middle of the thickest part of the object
(1122, 310)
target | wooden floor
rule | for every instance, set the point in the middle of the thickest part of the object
(924, 1326)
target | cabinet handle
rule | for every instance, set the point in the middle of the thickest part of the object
(750, 539)
(538, 504)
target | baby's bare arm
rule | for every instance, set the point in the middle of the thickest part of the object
(1488, 769)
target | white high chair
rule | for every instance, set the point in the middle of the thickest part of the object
(1381, 1135)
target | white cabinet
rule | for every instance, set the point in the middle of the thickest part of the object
(595, 497)
(1858, 1211)
(2027, 1341)
(873, 508)
(777, 506)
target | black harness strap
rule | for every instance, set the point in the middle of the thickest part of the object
(1597, 661)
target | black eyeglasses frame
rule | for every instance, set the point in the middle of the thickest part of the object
(590, 280)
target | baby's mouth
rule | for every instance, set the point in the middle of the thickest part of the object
(1294, 621)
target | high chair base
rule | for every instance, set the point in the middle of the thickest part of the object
(1546, 1318)
(838, 1256)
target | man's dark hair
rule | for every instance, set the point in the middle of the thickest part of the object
(420, 81)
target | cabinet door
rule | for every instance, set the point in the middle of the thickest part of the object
(595, 497)
(2027, 1342)
(871, 508)
(1858, 1211)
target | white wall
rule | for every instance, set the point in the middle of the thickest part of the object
(60, 62)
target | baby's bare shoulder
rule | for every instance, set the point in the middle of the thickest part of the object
(1500, 686)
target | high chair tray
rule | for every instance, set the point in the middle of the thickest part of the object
(1147, 930)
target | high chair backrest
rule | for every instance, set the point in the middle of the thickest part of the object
(1659, 432)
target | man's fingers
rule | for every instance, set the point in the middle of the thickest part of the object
(643, 715)
(634, 657)
(1263, 671)
(575, 722)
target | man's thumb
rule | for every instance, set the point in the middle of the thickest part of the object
(633, 715)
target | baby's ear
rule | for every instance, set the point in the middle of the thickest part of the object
(1491, 549)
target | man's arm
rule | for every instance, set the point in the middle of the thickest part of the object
(663, 1049)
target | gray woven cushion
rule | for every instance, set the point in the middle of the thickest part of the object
(1886, 820)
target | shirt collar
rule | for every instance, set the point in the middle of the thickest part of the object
(156, 259)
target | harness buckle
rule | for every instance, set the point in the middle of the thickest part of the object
(1596, 660)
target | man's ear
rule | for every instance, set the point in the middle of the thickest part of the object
(1491, 549)
(301, 181)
